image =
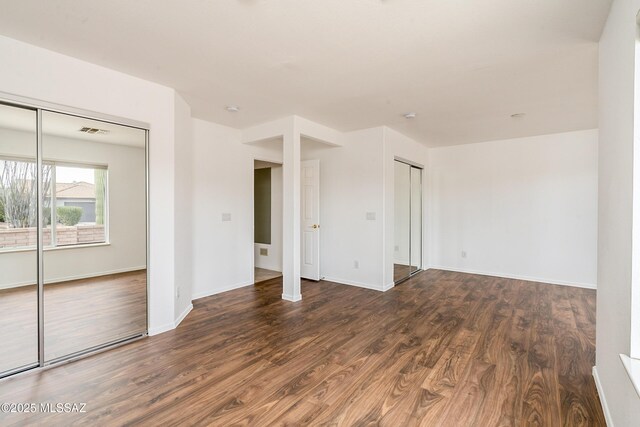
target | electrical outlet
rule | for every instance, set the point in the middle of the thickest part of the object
(371, 216)
(178, 292)
(356, 264)
(464, 254)
(226, 217)
(396, 248)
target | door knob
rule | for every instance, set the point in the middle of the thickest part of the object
(315, 226)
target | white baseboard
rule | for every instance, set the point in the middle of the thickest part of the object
(76, 277)
(184, 313)
(163, 328)
(172, 325)
(515, 276)
(219, 291)
(388, 286)
(354, 283)
(292, 298)
(603, 400)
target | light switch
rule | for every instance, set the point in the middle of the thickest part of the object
(226, 217)
(371, 216)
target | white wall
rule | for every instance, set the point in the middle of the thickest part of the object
(273, 261)
(351, 185)
(52, 77)
(524, 208)
(183, 201)
(222, 183)
(615, 227)
(222, 173)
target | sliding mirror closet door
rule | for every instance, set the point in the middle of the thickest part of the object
(407, 220)
(95, 276)
(402, 221)
(18, 242)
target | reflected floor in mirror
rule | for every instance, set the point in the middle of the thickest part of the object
(79, 314)
(402, 271)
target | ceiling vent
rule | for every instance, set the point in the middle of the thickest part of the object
(93, 131)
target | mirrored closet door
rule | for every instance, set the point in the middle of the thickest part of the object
(73, 236)
(18, 239)
(407, 220)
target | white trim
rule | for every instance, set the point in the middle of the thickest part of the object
(515, 276)
(292, 298)
(171, 325)
(219, 291)
(354, 283)
(184, 313)
(77, 277)
(603, 400)
(160, 329)
(388, 286)
(72, 111)
(633, 370)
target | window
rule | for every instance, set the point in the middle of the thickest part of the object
(74, 208)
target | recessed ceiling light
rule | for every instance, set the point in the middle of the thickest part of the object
(232, 108)
(518, 115)
(409, 115)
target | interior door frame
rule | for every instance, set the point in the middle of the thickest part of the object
(253, 210)
(39, 107)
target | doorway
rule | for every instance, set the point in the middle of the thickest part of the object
(267, 218)
(407, 220)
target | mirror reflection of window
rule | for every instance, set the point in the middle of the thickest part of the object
(78, 193)
(95, 273)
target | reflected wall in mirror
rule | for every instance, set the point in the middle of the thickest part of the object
(95, 279)
(416, 220)
(18, 239)
(407, 220)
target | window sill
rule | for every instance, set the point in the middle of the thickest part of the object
(633, 370)
(86, 245)
(57, 248)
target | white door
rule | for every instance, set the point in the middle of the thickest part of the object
(310, 221)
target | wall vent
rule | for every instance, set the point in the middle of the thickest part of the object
(93, 130)
(264, 252)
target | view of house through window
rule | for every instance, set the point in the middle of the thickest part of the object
(75, 204)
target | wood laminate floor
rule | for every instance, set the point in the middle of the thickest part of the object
(443, 349)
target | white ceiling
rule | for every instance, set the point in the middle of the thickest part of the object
(463, 66)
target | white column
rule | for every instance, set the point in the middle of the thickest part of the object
(291, 214)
